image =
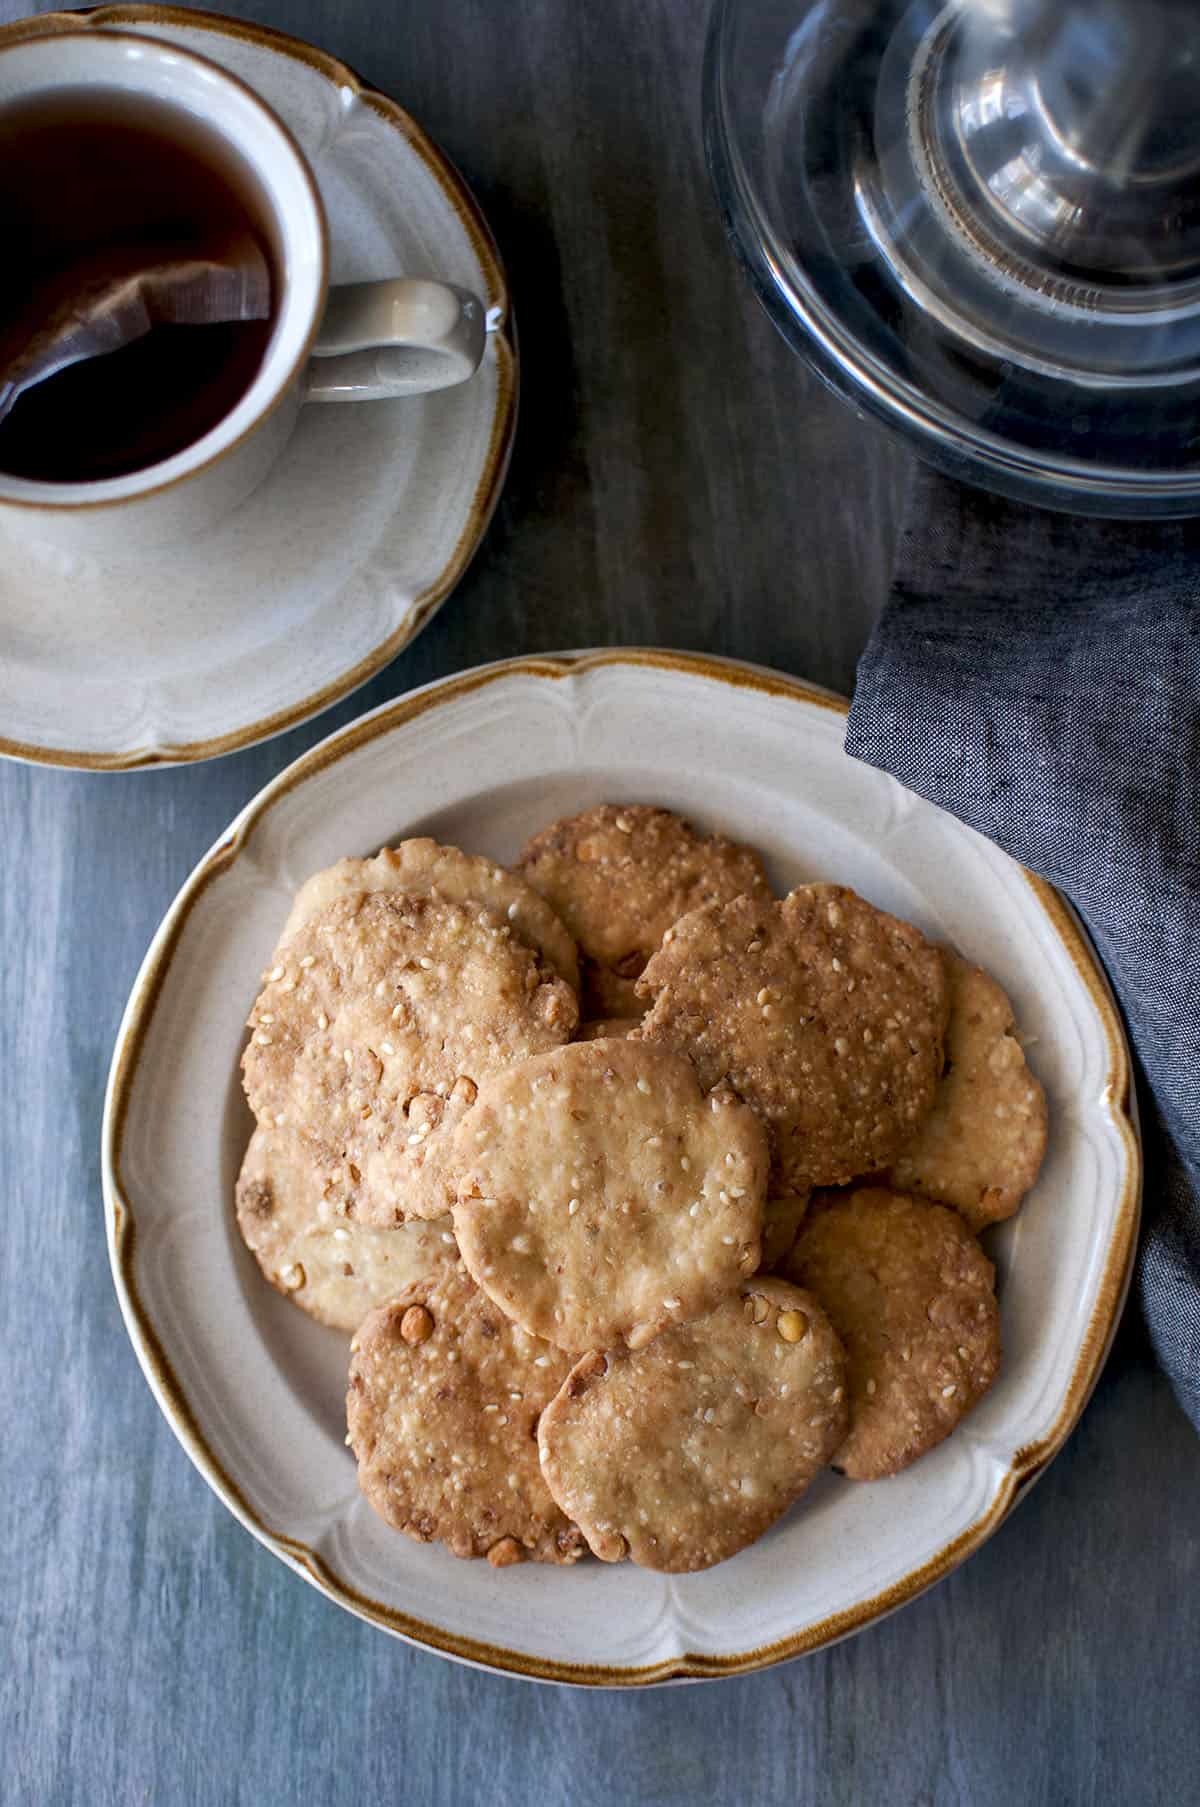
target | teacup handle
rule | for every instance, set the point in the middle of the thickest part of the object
(405, 336)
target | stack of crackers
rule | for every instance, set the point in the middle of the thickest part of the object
(645, 1194)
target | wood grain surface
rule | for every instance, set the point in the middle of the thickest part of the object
(678, 479)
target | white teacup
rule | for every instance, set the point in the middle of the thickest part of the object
(359, 342)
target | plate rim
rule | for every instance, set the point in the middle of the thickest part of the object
(1028, 1462)
(132, 14)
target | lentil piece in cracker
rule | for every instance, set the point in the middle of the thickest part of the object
(603, 1195)
(824, 1013)
(619, 876)
(981, 1147)
(387, 1013)
(421, 867)
(291, 1213)
(912, 1296)
(443, 1406)
(684, 1453)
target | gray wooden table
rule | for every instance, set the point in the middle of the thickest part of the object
(678, 478)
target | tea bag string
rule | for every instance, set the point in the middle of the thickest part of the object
(104, 302)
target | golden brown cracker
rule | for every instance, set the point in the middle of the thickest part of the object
(603, 1195)
(685, 1452)
(619, 876)
(981, 1147)
(291, 1213)
(421, 867)
(375, 1027)
(443, 1406)
(912, 1296)
(824, 1013)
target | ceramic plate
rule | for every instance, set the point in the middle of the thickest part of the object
(254, 1389)
(360, 531)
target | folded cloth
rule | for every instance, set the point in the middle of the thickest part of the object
(1039, 676)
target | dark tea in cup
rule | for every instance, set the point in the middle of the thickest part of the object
(94, 180)
(155, 406)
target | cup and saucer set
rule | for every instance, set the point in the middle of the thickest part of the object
(191, 612)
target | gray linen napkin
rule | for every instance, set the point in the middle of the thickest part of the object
(1039, 676)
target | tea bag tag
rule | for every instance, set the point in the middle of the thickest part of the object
(106, 302)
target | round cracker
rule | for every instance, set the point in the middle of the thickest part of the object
(619, 876)
(824, 1013)
(682, 1454)
(377, 1023)
(421, 867)
(912, 1296)
(603, 1195)
(291, 1212)
(443, 1406)
(981, 1147)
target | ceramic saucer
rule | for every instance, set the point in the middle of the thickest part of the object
(359, 533)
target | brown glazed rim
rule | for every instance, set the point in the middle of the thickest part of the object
(1026, 1465)
(491, 480)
